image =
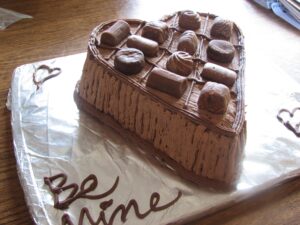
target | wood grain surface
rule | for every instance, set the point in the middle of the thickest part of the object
(60, 28)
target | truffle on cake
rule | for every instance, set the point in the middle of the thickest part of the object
(220, 51)
(156, 31)
(220, 74)
(129, 61)
(116, 33)
(214, 97)
(147, 46)
(221, 29)
(180, 62)
(188, 42)
(167, 82)
(189, 20)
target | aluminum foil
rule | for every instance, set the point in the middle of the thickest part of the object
(52, 136)
(8, 17)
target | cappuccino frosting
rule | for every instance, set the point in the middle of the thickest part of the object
(169, 118)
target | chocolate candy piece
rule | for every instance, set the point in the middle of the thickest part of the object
(214, 98)
(116, 33)
(189, 20)
(188, 42)
(156, 31)
(168, 82)
(221, 29)
(147, 46)
(221, 51)
(180, 62)
(218, 74)
(129, 61)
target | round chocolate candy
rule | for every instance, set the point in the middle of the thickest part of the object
(220, 51)
(129, 61)
(188, 42)
(214, 97)
(180, 62)
(189, 20)
(221, 29)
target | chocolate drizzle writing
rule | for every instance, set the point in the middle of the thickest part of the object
(90, 180)
(288, 124)
(124, 210)
(121, 209)
(52, 72)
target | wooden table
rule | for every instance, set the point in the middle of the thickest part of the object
(61, 28)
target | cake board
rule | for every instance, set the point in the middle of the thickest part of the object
(52, 136)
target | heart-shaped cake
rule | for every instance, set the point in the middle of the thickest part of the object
(175, 86)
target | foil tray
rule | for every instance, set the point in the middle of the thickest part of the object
(52, 136)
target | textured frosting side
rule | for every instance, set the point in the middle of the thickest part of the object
(196, 148)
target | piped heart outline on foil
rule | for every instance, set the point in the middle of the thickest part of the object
(52, 72)
(295, 129)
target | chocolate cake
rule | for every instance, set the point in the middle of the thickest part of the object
(172, 87)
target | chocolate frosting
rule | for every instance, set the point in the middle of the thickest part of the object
(294, 128)
(231, 124)
(122, 209)
(180, 62)
(52, 72)
(89, 184)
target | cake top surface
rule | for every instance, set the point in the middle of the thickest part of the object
(161, 43)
